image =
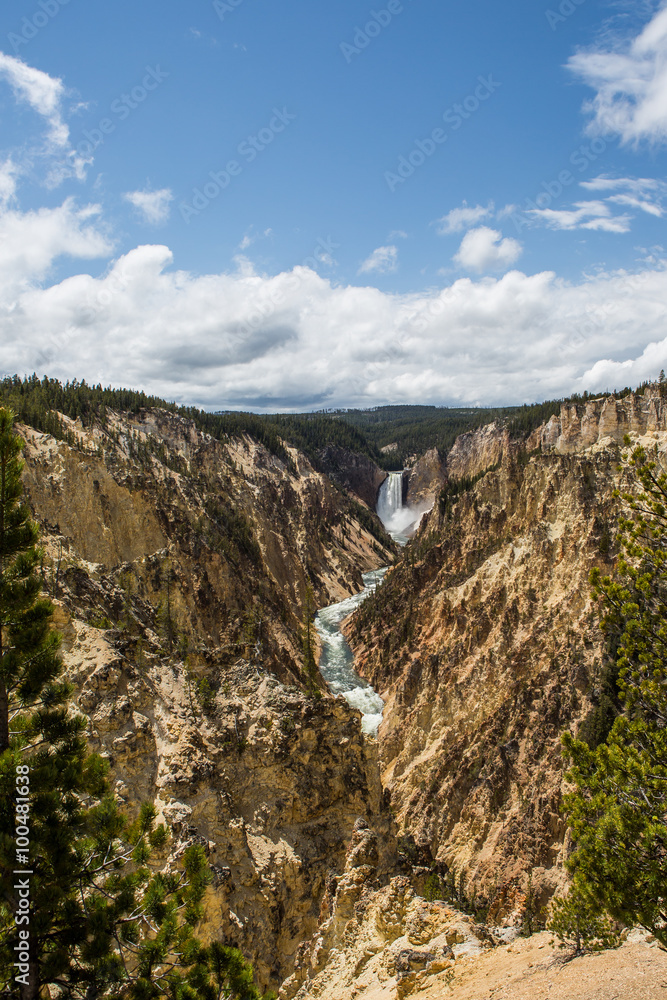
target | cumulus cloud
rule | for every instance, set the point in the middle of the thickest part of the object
(297, 340)
(629, 77)
(30, 242)
(463, 218)
(383, 261)
(484, 249)
(585, 215)
(153, 206)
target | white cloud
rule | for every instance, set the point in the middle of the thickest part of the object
(383, 261)
(484, 249)
(291, 340)
(463, 218)
(43, 93)
(642, 193)
(650, 207)
(30, 242)
(251, 238)
(630, 80)
(8, 174)
(153, 206)
(639, 185)
(585, 215)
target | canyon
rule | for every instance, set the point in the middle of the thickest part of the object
(181, 566)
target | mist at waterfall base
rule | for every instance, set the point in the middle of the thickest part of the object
(337, 659)
(401, 522)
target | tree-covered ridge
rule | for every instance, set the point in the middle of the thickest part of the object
(414, 429)
(35, 401)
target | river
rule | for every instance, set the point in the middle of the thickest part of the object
(337, 659)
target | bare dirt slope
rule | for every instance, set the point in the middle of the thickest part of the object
(531, 970)
(390, 943)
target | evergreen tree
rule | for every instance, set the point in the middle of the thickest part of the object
(618, 809)
(579, 922)
(81, 913)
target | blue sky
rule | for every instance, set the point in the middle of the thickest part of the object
(256, 205)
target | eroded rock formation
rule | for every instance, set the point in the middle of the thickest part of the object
(485, 645)
(357, 473)
(180, 566)
(426, 478)
(604, 421)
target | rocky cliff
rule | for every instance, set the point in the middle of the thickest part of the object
(353, 472)
(425, 480)
(485, 645)
(180, 565)
(476, 451)
(604, 421)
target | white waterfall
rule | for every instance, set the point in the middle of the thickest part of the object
(396, 518)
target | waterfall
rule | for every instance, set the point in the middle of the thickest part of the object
(396, 518)
(390, 498)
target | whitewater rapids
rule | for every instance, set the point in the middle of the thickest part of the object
(337, 659)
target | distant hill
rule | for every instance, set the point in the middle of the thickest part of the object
(414, 429)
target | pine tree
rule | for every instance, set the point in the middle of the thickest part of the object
(618, 808)
(81, 913)
(580, 923)
(40, 743)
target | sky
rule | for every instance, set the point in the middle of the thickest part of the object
(239, 204)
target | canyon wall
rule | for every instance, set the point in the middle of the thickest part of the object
(180, 567)
(353, 472)
(425, 480)
(486, 647)
(477, 451)
(604, 421)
